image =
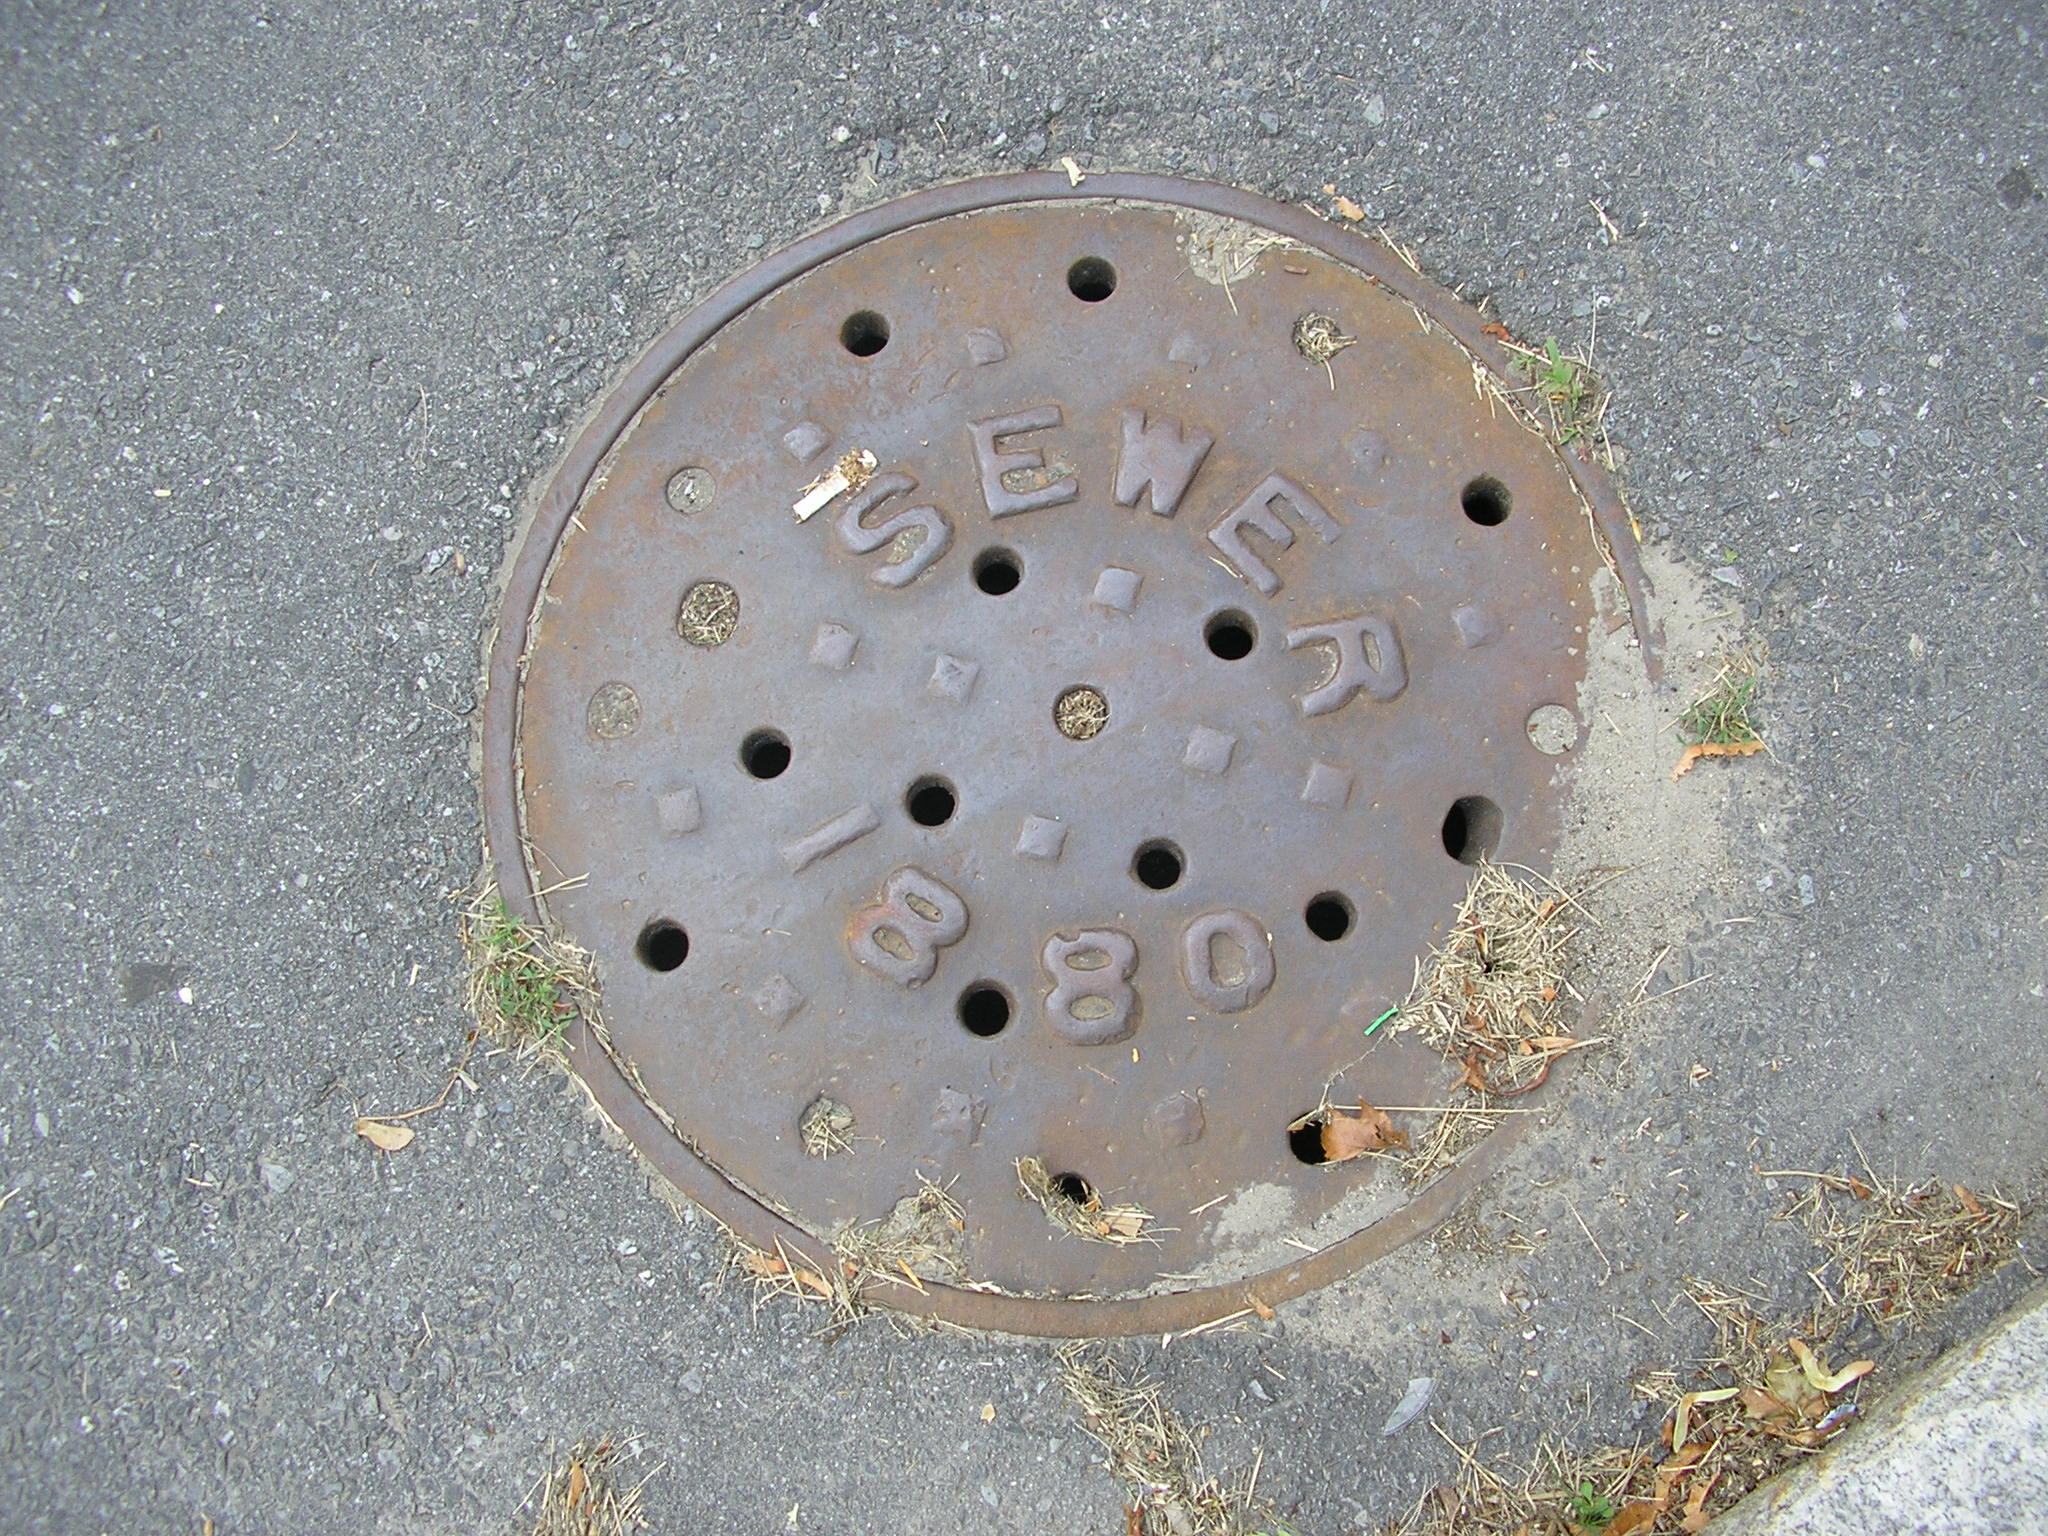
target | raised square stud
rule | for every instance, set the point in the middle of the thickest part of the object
(1208, 750)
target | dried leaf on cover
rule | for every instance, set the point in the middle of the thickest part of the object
(1353, 1133)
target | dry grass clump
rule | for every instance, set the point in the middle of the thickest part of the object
(918, 1240)
(784, 1275)
(1763, 1398)
(1900, 1254)
(1556, 1494)
(1150, 1450)
(1073, 1206)
(585, 1496)
(1491, 997)
(526, 986)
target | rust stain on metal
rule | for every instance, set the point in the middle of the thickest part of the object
(1301, 624)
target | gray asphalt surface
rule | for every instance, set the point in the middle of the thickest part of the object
(294, 304)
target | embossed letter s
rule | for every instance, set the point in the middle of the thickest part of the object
(857, 536)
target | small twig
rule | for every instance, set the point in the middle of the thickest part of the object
(455, 1076)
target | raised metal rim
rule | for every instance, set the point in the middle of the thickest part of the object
(669, 1153)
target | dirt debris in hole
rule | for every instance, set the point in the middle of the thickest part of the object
(1081, 713)
(710, 612)
(1072, 1206)
(1319, 338)
(826, 1127)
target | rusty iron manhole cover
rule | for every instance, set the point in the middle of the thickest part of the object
(1176, 621)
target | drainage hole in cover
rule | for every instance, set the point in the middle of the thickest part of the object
(1230, 634)
(710, 612)
(662, 945)
(1091, 279)
(1486, 501)
(1305, 1139)
(1081, 713)
(1157, 865)
(864, 333)
(997, 571)
(1329, 916)
(765, 754)
(931, 802)
(1472, 829)
(1073, 1188)
(984, 1009)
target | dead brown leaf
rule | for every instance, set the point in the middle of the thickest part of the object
(1473, 1076)
(1785, 1381)
(1639, 1516)
(810, 1279)
(383, 1135)
(1122, 1223)
(1700, 749)
(1759, 1404)
(1696, 1516)
(1347, 1134)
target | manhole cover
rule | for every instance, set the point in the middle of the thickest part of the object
(1173, 620)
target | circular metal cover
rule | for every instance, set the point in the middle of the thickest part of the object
(1023, 675)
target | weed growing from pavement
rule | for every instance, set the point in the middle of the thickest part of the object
(1572, 396)
(1590, 1508)
(526, 986)
(1724, 714)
